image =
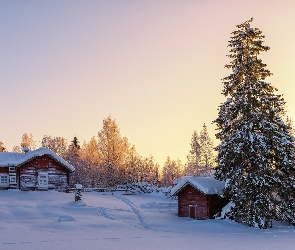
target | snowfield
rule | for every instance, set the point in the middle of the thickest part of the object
(52, 220)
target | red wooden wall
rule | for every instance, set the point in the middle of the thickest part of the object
(58, 176)
(206, 205)
(4, 170)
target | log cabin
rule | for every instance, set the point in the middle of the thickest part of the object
(199, 197)
(40, 169)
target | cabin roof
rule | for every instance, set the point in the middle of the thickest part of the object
(206, 185)
(17, 159)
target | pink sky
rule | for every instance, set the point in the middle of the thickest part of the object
(156, 66)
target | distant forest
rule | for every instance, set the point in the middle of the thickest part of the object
(108, 159)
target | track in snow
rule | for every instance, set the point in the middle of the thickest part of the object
(103, 212)
(135, 211)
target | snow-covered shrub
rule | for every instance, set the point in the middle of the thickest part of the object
(224, 212)
(145, 188)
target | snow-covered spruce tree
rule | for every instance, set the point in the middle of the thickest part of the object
(256, 153)
(289, 122)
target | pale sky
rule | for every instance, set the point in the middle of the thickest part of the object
(155, 66)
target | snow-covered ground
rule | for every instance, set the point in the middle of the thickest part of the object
(51, 220)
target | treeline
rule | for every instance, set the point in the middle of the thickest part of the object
(109, 159)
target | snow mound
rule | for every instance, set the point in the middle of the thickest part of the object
(67, 218)
(79, 203)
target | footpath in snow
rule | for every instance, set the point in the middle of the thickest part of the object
(52, 220)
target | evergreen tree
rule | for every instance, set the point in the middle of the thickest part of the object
(76, 143)
(256, 152)
(75, 146)
(289, 122)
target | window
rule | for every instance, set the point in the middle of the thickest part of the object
(12, 179)
(4, 180)
(11, 169)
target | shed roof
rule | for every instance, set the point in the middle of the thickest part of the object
(18, 159)
(206, 185)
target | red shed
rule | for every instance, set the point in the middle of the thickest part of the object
(199, 197)
(41, 169)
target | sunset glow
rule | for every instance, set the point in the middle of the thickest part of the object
(155, 66)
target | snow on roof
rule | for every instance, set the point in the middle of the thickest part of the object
(205, 185)
(18, 159)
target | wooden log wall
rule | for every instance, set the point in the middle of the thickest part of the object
(206, 206)
(58, 176)
(28, 176)
(4, 170)
(191, 196)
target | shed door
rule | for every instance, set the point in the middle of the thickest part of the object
(192, 211)
(42, 181)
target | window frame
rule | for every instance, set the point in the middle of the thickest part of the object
(12, 179)
(2, 178)
(12, 169)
